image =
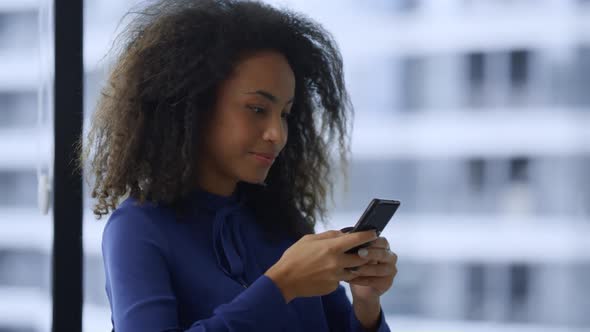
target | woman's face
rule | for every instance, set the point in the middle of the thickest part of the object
(249, 124)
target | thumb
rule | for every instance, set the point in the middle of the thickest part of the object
(327, 235)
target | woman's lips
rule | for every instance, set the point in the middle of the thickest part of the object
(264, 158)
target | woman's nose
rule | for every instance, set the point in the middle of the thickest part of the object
(275, 130)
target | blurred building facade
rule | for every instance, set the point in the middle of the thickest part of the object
(473, 113)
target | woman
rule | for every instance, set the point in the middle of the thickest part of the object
(215, 130)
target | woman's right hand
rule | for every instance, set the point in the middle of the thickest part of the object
(314, 265)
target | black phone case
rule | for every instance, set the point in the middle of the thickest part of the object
(376, 216)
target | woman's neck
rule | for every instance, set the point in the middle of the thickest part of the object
(216, 184)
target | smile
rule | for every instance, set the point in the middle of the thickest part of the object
(263, 159)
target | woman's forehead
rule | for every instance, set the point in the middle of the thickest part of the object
(267, 72)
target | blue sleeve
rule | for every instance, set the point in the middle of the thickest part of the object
(340, 315)
(141, 294)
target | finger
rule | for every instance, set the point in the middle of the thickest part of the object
(346, 275)
(381, 255)
(394, 255)
(390, 256)
(326, 235)
(362, 281)
(379, 283)
(351, 260)
(351, 240)
(374, 256)
(376, 270)
(380, 242)
(346, 229)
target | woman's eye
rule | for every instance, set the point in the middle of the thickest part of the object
(256, 109)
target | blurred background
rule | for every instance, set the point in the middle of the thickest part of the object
(474, 114)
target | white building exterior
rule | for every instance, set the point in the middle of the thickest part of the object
(475, 114)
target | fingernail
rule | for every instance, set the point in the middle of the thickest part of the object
(363, 252)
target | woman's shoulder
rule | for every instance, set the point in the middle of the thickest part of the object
(133, 238)
(132, 220)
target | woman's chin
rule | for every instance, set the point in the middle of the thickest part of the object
(254, 179)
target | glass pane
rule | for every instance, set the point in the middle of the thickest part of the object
(101, 19)
(479, 131)
(26, 129)
(473, 114)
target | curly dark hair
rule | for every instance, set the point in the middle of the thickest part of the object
(159, 95)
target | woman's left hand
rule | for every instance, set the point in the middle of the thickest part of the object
(376, 276)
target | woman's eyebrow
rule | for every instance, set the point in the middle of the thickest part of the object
(268, 96)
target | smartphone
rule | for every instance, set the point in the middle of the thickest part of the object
(376, 216)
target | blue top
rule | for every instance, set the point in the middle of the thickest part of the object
(206, 273)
